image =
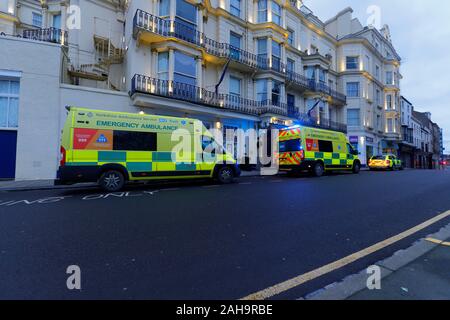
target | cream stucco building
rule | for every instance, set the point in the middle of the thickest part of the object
(230, 63)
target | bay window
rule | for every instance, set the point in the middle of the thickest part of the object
(184, 68)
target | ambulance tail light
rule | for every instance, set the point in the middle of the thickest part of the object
(302, 155)
(62, 162)
(388, 162)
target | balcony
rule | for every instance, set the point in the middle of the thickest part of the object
(335, 95)
(194, 94)
(158, 29)
(52, 35)
(314, 122)
(185, 92)
(162, 28)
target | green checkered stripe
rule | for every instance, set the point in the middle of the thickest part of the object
(331, 159)
(133, 161)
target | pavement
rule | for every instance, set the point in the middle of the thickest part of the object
(48, 184)
(199, 240)
(425, 278)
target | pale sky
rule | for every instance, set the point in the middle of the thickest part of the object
(420, 32)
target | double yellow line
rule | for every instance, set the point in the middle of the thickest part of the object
(301, 279)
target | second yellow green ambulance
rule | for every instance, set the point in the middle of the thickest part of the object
(316, 150)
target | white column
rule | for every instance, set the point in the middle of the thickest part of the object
(45, 16)
(199, 20)
(172, 9)
(171, 64)
(199, 71)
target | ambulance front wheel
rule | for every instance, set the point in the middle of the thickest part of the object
(318, 169)
(356, 167)
(112, 180)
(225, 175)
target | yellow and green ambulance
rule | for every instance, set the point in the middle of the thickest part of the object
(113, 148)
(315, 150)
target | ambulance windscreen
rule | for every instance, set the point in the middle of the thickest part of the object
(291, 145)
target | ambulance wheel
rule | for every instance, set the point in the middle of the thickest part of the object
(356, 167)
(318, 169)
(225, 175)
(112, 180)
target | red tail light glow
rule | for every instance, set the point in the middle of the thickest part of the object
(62, 162)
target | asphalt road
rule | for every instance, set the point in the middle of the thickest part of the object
(204, 241)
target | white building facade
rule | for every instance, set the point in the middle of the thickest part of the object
(230, 63)
(369, 69)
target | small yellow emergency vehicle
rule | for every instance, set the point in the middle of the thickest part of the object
(112, 148)
(385, 162)
(316, 150)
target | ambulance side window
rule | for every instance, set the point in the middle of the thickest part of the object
(325, 146)
(134, 141)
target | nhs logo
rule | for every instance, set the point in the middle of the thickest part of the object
(102, 139)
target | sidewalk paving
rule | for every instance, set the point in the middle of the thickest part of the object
(426, 278)
(25, 185)
(11, 185)
(420, 272)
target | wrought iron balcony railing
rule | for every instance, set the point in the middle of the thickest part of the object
(170, 28)
(194, 94)
(53, 35)
(323, 88)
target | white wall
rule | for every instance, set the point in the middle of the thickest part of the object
(38, 141)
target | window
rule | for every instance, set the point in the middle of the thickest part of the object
(353, 117)
(186, 11)
(37, 20)
(276, 91)
(290, 100)
(389, 78)
(235, 40)
(378, 97)
(276, 55)
(185, 68)
(390, 125)
(164, 8)
(9, 103)
(235, 86)
(389, 102)
(262, 11)
(235, 7)
(353, 89)
(262, 52)
(276, 13)
(377, 72)
(367, 62)
(290, 65)
(322, 76)
(350, 149)
(311, 73)
(378, 121)
(352, 63)
(56, 23)
(186, 21)
(325, 146)
(261, 90)
(291, 145)
(134, 141)
(235, 43)
(290, 37)
(163, 65)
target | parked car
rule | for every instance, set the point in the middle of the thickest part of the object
(385, 162)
